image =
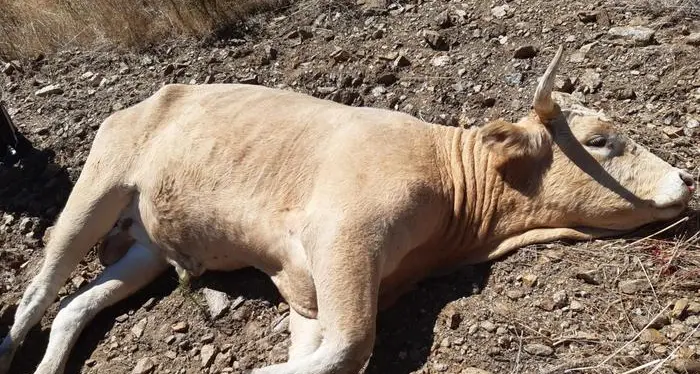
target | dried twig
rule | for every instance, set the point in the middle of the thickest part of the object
(621, 348)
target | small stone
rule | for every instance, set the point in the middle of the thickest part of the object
(633, 286)
(441, 60)
(445, 343)
(692, 321)
(435, 40)
(538, 349)
(123, 68)
(626, 94)
(144, 366)
(500, 11)
(692, 123)
(170, 339)
(473, 370)
(208, 353)
(515, 294)
(52, 89)
(588, 16)
(576, 306)
(122, 318)
(581, 54)
(87, 75)
(181, 327)
(560, 299)
(401, 61)
(686, 366)
(78, 281)
(680, 308)
(443, 20)
(217, 302)
(250, 79)
(95, 80)
(590, 81)
(149, 303)
(170, 354)
(530, 279)
(693, 39)
(672, 131)
(488, 326)
(25, 225)
(207, 338)
(637, 35)
(659, 322)
(340, 55)
(378, 91)
(8, 69)
(387, 79)
(652, 336)
(693, 308)
(139, 327)
(526, 51)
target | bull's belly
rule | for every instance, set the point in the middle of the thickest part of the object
(277, 251)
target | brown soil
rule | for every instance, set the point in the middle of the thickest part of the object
(544, 309)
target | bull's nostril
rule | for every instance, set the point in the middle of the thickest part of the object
(688, 180)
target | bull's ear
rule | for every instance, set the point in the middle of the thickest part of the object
(543, 103)
(526, 140)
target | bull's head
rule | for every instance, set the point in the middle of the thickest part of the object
(578, 171)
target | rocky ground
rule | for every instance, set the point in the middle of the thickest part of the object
(607, 305)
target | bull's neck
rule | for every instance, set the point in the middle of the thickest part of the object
(479, 200)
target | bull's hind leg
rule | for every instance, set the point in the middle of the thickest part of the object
(90, 212)
(305, 335)
(139, 267)
(347, 278)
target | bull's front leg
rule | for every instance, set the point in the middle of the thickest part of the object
(139, 267)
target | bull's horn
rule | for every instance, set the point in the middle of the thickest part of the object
(543, 102)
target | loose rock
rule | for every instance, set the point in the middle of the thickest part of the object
(637, 35)
(633, 286)
(139, 327)
(52, 89)
(442, 60)
(693, 39)
(217, 302)
(144, 366)
(680, 308)
(208, 353)
(488, 326)
(652, 336)
(435, 40)
(181, 327)
(529, 279)
(590, 81)
(538, 349)
(473, 370)
(500, 11)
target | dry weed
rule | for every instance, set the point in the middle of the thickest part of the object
(28, 27)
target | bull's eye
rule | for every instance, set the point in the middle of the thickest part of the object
(597, 141)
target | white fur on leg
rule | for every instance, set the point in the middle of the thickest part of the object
(136, 269)
(305, 335)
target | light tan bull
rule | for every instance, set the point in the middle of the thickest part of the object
(343, 207)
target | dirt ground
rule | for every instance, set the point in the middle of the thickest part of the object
(544, 309)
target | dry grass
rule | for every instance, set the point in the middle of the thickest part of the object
(28, 27)
(674, 8)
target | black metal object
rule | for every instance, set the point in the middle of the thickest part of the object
(13, 145)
